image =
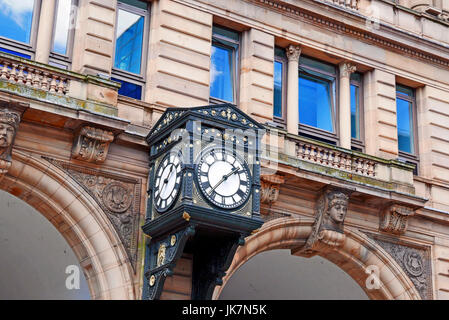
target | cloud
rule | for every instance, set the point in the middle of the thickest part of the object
(64, 18)
(17, 10)
(214, 73)
(125, 20)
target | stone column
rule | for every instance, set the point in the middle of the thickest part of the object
(293, 52)
(45, 30)
(345, 104)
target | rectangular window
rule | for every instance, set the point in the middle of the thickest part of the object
(405, 119)
(130, 48)
(317, 111)
(356, 111)
(223, 69)
(279, 94)
(17, 25)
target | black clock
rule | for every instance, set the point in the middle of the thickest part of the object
(223, 177)
(167, 181)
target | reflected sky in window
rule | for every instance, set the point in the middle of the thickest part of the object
(315, 107)
(355, 112)
(277, 104)
(128, 45)
(221, 74)
(63, 20)
(405, 125)
(16, 18)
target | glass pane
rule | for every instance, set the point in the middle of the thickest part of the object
(63, 18)
(221, 77)
(355, 122)
(225, 33)
(136, 3)
(315, 107)
(129, 89)
(16, 18)
(405, 125)
(128, 44)
(277, 103)
(15, 53)
(405, 90)
(312, 63)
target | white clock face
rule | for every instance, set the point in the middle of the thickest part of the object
(223, 178)
(167, 182)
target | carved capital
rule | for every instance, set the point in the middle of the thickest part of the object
(92, 144)
(394, 218)
(346, 69)
(270, 186)
(293, 52)
(9, 124)
(327, 230)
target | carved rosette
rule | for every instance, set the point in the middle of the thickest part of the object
(394, 219)
(119, 197)
(270, 187)
(293, 52)
(327, 230)
(92, 144)
(9, 124)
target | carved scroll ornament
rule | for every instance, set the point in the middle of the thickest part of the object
(92, 144)
(394, 219)
(270, 187)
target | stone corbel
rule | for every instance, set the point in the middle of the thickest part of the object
(270, 186)
(394, 219)
(92, 144)
(9, 124)
(327, 230)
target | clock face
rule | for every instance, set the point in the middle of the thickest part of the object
(223, 178)
(167, 182)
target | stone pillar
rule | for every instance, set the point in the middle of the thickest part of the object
(45, 30)
(345, 104)
(293, 52)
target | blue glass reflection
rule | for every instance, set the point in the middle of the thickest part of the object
(19, 54)
(315, 107)
(355, 112)
(129, 89)
(61, 31)
(405, 125)
(16, 19)
(128, 46)
(277, 103)
(221, 78)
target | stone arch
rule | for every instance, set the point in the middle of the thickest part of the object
(357, 253)
(80, 220)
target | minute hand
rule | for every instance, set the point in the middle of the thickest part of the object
(224, 178)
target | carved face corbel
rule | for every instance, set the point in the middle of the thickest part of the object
(327, 230)
(9, 123)
(92, 144)
(394, 218)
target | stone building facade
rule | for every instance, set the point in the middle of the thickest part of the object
(354, 96)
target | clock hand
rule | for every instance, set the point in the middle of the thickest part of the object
(225, 177)
(164, 184)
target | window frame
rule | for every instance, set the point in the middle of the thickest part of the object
(281, 121)
(411, 158)
(332, 78)
(359, 144)
(22, 47)
(126, 76)
(57, 58)
(235, 46)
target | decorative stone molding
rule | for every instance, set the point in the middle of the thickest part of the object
(327, 229)
(394, 219)
(346, 69)
(92, 144)
(270, 186)
(118, 196)
(9, 124)
(350, 4)
(293, 52)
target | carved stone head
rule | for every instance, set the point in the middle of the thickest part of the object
(334, 209)
(9, 122)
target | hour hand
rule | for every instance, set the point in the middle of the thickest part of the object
(223, 179)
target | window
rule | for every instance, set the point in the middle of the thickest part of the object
(356, 111)
(17, 26)
(280, 81)
(130, 39)
(63, 33)
(223, 69)
(317, 111)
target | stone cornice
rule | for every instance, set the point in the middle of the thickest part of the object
(342, 28)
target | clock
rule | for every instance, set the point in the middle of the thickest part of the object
(223, 178)
(167, 181)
